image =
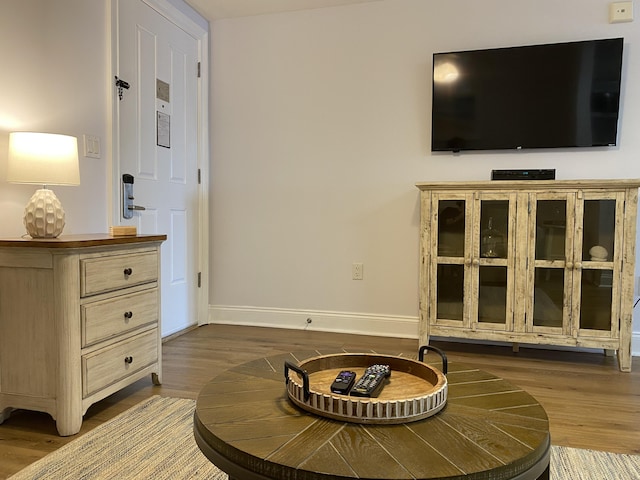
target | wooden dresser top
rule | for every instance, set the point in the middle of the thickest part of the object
(79, 241)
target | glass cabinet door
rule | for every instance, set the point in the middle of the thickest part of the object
(597, 264)
(452, 213)
(492, 262)
(574, 268)
(472, 276)
(550, 267)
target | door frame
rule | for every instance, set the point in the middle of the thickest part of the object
(184, 22)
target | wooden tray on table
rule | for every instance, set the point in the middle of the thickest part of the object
(414, 390)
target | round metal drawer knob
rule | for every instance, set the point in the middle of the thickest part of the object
(128, 315)
(128, 271)
(128, 360)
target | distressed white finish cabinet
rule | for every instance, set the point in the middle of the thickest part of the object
(539, 262)
(79, 320)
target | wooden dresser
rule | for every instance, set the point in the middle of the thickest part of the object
(79, 320)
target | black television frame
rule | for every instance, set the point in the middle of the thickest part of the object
(602, 111)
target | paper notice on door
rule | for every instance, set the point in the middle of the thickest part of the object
(164, 130)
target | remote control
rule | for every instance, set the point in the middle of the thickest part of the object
(343, 382)
(372, 381)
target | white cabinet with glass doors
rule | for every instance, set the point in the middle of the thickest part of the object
(540, 262)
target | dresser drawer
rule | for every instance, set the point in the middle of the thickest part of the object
(104, 274)
(114, 316)
(115, 362)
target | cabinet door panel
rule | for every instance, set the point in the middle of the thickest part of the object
(551, 229)
(494, 228)
(492, 295)
(449, 284)
(450, 221)
(598, 265)
(548, 298)
(596, 300)
(492, 269)
(450, 292)
(599, 228)
(550, 275)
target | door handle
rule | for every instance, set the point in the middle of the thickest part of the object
(127, 197)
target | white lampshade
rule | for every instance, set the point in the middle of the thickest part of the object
(43, 159)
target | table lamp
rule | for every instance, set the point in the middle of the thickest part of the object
(43, 159)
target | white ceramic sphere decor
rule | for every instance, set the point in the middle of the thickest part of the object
(43, 215)
(598, 253)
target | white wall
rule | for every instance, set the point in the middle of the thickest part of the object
(321, 128)
(54, 79)
(56, 76)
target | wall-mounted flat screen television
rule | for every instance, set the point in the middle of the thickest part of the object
(559, 95)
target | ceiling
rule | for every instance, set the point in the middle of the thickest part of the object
(217, 9)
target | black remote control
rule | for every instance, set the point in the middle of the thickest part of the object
(372, 381)
(343, 382)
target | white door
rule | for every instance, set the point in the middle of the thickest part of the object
(157, 118)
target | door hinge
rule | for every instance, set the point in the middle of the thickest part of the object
(198, 69)
(199, 177)
(199, 279)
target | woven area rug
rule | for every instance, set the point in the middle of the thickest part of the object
(154, 440)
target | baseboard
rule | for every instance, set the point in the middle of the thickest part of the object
(337, 322)
(321, 321)
(179, 333)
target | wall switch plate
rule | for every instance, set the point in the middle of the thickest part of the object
(620, 12)
(91, 146)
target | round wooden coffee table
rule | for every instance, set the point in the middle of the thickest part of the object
(246, 425)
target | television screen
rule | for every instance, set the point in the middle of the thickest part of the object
(539, 96)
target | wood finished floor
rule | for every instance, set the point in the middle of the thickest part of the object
(590, 403)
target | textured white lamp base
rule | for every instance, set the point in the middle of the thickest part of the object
(43, 215)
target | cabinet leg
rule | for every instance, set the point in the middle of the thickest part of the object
(624, 361)
(156, 378)
(515, 347)
(5, 414)
(68, 426)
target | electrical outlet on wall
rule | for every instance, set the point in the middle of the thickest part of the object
(357, 271)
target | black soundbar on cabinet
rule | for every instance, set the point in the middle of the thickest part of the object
(536, 174)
